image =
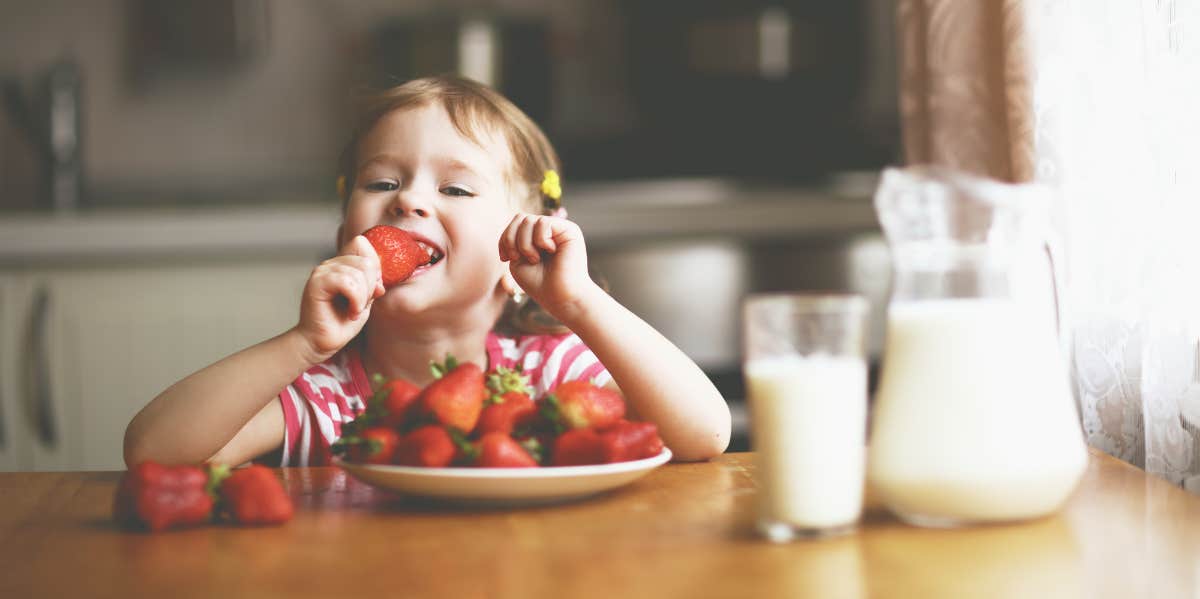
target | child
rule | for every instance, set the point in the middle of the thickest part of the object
(465, 171)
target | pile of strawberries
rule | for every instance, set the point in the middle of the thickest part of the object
(153, 496)
(467, 417)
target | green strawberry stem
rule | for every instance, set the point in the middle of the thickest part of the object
(441, 370)
(217, 474)
(551, 412)
(463, 444)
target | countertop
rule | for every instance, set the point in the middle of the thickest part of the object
(685, 530)
(612, 213)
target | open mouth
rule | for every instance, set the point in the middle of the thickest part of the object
(435, 253)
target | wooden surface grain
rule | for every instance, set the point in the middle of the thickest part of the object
(685, 530)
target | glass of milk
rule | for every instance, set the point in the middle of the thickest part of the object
(806, 380)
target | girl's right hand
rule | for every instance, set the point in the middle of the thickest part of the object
(337, 298)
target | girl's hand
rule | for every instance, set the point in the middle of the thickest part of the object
(547, 259)
(337, 298)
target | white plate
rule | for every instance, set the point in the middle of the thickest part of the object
(504, 486)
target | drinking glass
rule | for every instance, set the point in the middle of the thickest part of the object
(806, 379)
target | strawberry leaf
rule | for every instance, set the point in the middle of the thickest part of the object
(534, 447)
(463, 444)
(551, 413)
(217, 473)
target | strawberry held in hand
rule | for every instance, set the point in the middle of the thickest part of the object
(399, 253)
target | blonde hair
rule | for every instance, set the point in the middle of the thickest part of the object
(474, 109)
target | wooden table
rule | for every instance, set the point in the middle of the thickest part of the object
(683, 531)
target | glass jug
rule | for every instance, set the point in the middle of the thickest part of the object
(974, 419)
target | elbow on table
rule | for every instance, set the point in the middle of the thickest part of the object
(703, 446)
(139, 448)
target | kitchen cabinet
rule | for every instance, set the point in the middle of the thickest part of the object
(84, 348)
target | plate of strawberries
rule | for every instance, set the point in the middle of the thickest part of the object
(481, 437)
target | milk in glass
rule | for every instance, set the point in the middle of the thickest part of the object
(808, 419)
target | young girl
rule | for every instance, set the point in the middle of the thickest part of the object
(466, 172)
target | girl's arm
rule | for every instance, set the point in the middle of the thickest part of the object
(225, 412)
(660, 382)
(220, 412)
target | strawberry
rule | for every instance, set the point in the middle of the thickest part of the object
(160, 497)
(456, 397)
(626, 441)
(509, 411)
(253, 495)
(399, 253)
(510, 405)
(401, 395)
(430, 445)
(580, 404)
(578, 447)
(375, 445)
(498, 450)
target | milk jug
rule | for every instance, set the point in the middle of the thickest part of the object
(974, 418)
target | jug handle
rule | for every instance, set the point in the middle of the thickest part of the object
(1053, 248)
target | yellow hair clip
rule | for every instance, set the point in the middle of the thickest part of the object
(551, 186)
(341, 186)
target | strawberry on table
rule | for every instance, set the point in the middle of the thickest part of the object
(375, 445)
(580, 404)
(456, 397)
(160, 497)
(399, 253)
(430, 446)
(254, 496)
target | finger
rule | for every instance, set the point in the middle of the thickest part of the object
(513, 237)
(525, 241)
(543, 235)
(508, 239)
(359, 246)
(370, 268)
(350, 283)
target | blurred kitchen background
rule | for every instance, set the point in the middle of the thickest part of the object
(167, 171)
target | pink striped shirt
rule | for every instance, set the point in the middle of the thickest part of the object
(320, 401)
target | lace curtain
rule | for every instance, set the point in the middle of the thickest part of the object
(1101, 99)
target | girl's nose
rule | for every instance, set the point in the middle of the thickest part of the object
(409, 203)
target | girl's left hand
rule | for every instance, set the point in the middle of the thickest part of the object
(547, 259)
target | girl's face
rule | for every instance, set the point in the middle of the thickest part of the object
(415, 171)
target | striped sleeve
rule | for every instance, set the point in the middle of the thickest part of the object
(566, 358)
(315, 406)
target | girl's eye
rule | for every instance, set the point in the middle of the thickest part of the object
(454, 190)
(382, 186)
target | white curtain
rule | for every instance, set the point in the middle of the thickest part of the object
(1101, 99)
(1115, 88)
